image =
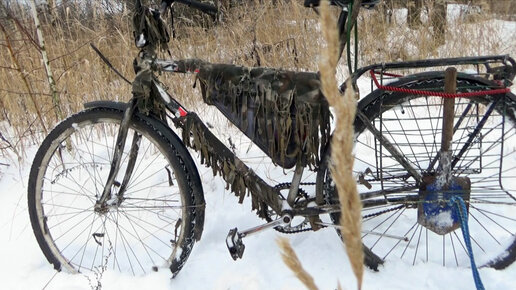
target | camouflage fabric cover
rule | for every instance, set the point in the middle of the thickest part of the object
(239, 178)
(147, 23)
(283, 112)
(144, 91)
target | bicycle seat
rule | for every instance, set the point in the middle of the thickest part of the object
(342, 3)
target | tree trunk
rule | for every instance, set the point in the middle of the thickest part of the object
(46, 63)
(414, 13)
(439, 23)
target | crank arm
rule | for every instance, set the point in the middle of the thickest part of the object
(285, 219)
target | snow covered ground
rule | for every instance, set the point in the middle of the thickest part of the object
(210, 266)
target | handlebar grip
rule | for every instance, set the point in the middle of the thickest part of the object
(204, 7)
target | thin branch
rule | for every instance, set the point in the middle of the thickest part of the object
(68, 53)
(25, 81)
(8, 67)
(22, 93)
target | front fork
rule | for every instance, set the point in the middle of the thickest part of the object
(107, 199)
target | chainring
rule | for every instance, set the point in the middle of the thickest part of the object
(302, 198)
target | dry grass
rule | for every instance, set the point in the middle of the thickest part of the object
(292, 261)
(342, 145)
(471, 32)
(79, 74)
(281, 35)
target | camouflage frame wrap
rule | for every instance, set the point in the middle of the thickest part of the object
(144, 91)
(283, 112)
(148, 28)
(239, 178)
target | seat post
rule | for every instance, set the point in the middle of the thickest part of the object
(294, 186)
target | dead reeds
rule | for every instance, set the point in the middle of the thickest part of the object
(342, 158)
(292, 261)
(266, 33)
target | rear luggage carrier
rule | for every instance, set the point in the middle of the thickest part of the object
(499, 68)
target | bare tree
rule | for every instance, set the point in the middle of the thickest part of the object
(46, 63)
(438, 20)
(414, 13)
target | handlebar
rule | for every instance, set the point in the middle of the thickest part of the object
(203, 7)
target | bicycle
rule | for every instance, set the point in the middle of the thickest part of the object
(115, 183)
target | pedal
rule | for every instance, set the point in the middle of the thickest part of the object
(235, 245)
(234, 239)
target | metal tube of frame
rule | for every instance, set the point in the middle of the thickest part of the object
(294, 187)
(117, 155)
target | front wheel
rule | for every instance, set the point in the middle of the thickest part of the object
(147, 227)
(407, 213)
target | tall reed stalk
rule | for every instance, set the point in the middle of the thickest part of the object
(294, 264)
(342, 144)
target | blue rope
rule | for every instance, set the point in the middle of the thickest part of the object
(461, 207)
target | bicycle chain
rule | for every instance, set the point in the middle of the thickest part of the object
(303, 226)
(286, 185)
(383, 211)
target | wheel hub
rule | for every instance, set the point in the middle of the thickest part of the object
(104, 207)
(434, 211)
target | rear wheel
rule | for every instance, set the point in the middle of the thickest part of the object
(148, 227)
(406, 214)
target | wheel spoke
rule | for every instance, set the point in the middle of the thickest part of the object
(134, 233)
(482, 147)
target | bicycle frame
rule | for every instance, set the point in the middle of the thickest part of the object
(239, 177)
(407, 174)
(245, 178)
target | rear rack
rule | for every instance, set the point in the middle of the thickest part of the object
(500, 68)
(494, 91)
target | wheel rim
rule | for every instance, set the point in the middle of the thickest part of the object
(136, 235)
(390, 226)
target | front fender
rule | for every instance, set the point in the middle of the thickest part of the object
(106, 104)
